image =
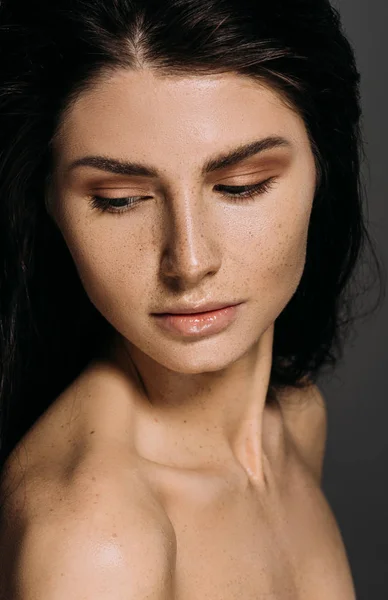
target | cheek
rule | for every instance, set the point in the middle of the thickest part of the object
(288, 254)
(277, 253)
(110, 262)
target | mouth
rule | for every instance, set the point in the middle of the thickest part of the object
(198, 310)
(198, 324)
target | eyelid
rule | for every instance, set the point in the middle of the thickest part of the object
(133, 191)
(253, 190)
(256, 174)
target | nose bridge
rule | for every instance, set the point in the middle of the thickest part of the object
(191, 249)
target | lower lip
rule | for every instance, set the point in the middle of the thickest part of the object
(198, 324)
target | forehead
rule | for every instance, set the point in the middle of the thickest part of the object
(144, 112)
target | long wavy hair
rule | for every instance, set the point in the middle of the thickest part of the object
(51, 51)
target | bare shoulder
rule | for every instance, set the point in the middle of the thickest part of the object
(304, 413)
(93, 537)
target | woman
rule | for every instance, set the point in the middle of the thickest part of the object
(180, 220)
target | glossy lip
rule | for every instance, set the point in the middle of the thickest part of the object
(198, 324)
(196, 308)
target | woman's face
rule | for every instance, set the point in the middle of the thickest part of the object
(183, 241)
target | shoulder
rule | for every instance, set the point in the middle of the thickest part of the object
(304, 413)
(93, 535)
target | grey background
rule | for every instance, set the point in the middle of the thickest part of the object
(355, 475)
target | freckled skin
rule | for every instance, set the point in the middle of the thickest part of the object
(188, 242)
(242, 513)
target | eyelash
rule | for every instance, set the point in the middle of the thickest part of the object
(103, 204)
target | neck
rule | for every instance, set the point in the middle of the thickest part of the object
(201, 418)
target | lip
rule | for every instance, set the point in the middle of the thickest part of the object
(198, 324)
(196, 308)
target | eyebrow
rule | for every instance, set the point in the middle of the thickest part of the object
(214, 163)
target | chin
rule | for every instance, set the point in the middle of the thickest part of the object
(196, 359)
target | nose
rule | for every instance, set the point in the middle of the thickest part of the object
(191, 251)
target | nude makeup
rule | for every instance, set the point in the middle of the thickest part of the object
(198, 324)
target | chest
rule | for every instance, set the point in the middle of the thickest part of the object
(227, 554)
(285, 546)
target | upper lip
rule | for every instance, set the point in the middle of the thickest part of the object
(182, 309)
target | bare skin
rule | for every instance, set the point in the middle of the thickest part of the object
(212, 530)
(167, 431)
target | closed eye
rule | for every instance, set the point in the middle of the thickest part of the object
(244, 191)
(238, 193)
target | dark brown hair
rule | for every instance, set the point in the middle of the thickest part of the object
(53, 50)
